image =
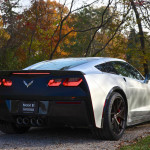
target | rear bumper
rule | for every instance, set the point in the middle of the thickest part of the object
(74, 113)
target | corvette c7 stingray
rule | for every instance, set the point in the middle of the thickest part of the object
(103, 94)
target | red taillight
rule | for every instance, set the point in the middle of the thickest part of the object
(0, 82)
(54, 82)
(7, 82)
(72, 81)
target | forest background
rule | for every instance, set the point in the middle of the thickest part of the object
(49, 29)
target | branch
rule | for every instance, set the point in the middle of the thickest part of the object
(101, 25)
(33, 32)
(122, 22)
(82, 7)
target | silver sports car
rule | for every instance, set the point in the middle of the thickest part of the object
(103, 94)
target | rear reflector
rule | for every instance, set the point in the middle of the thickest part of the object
(54, 82)
(72, 81)
(7, 82)
(31, 73)
(68, 102)
(0, 82)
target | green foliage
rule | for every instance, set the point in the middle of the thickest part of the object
(143, 144)
(134, 53)
(87, 18)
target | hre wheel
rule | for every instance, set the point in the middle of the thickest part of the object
(114, 118)
(12, 128)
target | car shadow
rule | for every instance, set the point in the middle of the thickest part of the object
(42, 137)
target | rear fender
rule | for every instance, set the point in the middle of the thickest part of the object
(100, 87)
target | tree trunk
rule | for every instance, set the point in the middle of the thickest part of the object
(141, 35)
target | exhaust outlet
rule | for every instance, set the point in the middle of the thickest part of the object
(26, 121)
(33, 121)
(39, 122)
(19, 120)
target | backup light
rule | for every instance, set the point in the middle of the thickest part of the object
(72, 82)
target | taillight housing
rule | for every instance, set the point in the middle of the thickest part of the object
(54, 82)
(72, 82)
(65, 82)
(7, 82)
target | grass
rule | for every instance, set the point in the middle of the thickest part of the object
(142, 144)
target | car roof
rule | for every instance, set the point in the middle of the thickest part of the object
(97, 60)
(90, 64)
(89, 67)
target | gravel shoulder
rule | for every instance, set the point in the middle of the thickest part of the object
(68, 139)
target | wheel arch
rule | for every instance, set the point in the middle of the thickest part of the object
(106, 130)
(120, 91)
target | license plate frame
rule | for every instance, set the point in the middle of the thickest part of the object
(29, 107)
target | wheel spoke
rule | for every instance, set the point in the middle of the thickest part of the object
(118, 115)
(113, 121)
(121, 114)
(121, 126)
(117, 121)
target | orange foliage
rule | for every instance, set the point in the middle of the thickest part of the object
(41, 21)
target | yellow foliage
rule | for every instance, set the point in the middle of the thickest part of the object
(62, 53)
(4, 36)
(117, 48)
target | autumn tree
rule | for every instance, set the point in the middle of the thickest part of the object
(40, 23)
(89, 18)
(134, 53)
(9, 18)
(140, 16)
(4, 36)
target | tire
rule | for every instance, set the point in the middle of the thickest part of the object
(114, 118)
(12, 128)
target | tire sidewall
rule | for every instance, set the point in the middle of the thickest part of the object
(107, 116)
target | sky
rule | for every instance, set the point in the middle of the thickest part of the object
(78, 3)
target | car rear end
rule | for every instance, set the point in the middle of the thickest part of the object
(45, 98)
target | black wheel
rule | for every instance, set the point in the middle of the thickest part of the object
(114, 118)
(12, 128)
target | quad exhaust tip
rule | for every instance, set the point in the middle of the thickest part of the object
(26, 121)
(32, 121)
(19, 120)
(39, 122)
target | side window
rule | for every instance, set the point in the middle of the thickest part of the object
(121, 69)
(134, 72)
(107, 67)
(127, 70)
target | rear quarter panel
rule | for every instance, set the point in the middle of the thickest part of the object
(100, 85)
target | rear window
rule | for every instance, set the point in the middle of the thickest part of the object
(60, 64)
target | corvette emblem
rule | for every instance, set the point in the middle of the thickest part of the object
(27, 84)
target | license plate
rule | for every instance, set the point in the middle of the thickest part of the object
(29, 107)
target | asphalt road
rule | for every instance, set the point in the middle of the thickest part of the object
(68, 139)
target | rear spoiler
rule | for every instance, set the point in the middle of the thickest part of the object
(39, 72)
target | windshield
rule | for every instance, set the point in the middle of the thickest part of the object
(60, 64)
